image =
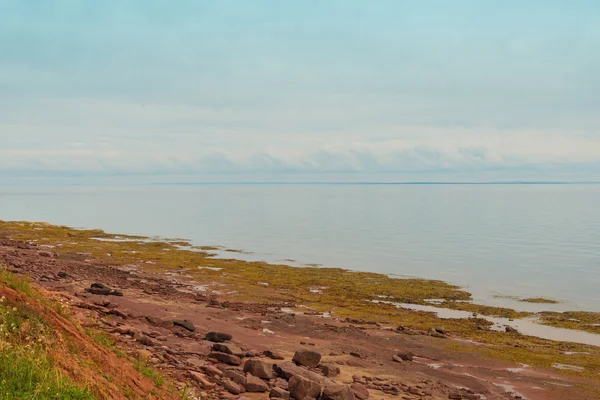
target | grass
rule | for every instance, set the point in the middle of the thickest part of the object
(142, 366)
(539, 300)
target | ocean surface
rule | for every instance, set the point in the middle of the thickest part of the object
(494, 240)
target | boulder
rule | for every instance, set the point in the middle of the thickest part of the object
(228, 348)
(307, 358)
(301, 387)
(254, 384)
(330, 370)
(185, 324)
(337, 392)
(279, 393)
(258, 368)
(360, 391)
(218, 337)
(225, 358)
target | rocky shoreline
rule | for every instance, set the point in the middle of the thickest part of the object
(216, 344)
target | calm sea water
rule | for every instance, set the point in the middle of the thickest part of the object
(516, 240)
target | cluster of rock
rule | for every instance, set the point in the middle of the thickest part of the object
(304, 378)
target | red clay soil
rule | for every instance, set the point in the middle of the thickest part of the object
(140, 321)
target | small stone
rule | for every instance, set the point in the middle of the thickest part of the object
(185, 324)
(99, 285)
(258, 368)
(229, 348)
(254, 384)
(212, 371)
(225, 358)
(235, 376)
(145, 340)
(279, 393)
(301, 387)
(408, 356)
(337, 392)
(455, 396)
(218, 337)
(273, 355)
(231, 386)
(307, 358)
(201, 380)
(330, 370)
(99, 291)
(355, 354)
(360, 391)
(396, 358)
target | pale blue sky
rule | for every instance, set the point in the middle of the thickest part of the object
(473, 90)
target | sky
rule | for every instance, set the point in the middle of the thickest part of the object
(300, 90)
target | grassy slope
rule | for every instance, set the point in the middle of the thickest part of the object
(43, 355)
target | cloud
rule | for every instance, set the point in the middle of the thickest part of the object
(284, 88)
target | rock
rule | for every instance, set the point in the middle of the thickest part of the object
(218, 337)
(330, 370)
(125, 330)
(355, 354)
(281, 383)
(229, 348)
(99, 285)
(143, 355)
(279, 393)
(360, 391)
(236, 376)
(231, 386)
(273, 355)
(510, 329)
(307, 358)
(288, 369)
(301, 387)
(99, 291)
(396, 358)
(212, 371)
(201, 380)
(145, 340)
(455, 396)
(63, 275)
(116, 293)
(254, 384)
(337, 392)
(408, 356)
(440, 330)
(184, 323)
(258, 368)
(225, 358)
